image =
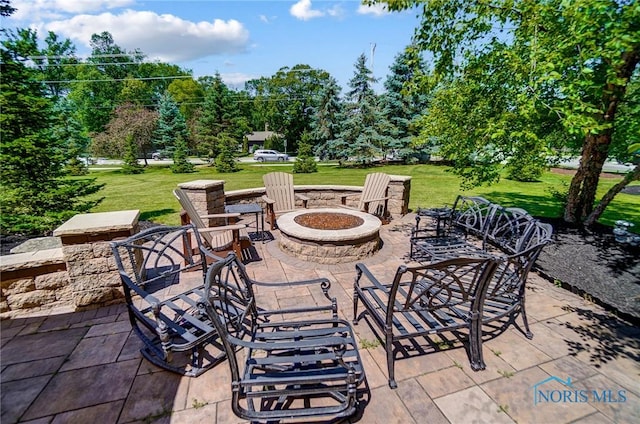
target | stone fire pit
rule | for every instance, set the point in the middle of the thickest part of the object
(328, 235)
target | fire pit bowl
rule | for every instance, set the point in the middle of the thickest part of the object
(329, 236)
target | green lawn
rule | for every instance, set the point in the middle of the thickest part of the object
(431, 185)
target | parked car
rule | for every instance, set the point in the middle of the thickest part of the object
(262, 155)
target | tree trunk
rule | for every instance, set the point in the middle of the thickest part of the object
(608, 197)
(582, 191)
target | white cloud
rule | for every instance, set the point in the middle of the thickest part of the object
(336, 11)
(376, 9)
(264, 19)
(303, 11)
(164, 37)
(54, 9)
(237, 79)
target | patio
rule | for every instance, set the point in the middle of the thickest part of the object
(86, 367)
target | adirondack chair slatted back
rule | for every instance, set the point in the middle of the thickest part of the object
(219, 240)
(279, 187)
(374, 193)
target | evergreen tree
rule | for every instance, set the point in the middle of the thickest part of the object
(171, 125)
(34, 194)
(402, 107)
(364, 135)
(305, 162)
(226, 160)
(181, 164)
(130, 160)
(326, 121)
(219, 122)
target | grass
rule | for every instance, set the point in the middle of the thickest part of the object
(431, 185)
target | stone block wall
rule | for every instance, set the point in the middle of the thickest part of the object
(93, 274)
(331, 195)
(34, 281)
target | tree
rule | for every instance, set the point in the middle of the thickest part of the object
(128, 120)
(35, 194)
(400, 106)
(580, 58)
(326, 121)
(220, 122)
(364, 130)
(305, 161)
(226, 160)
(171, 124)
(285, 100)
(188, 94)
(130, 163)
(181, 164)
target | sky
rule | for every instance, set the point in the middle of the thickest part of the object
(240, 39)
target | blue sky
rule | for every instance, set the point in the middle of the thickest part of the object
(241, 39)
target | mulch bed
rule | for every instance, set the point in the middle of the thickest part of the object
(593, 264)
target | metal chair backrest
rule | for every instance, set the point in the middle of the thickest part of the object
(472, 214)
(155, 257)
(508, 229)
(447, 284)
(279, 187)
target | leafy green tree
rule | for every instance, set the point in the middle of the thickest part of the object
(285, 100)
(577, 57)
(35, 195)
(305, 161)
(130, 163)
(128, 120)
(188, 94)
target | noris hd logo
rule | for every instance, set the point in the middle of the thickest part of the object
(571, 395)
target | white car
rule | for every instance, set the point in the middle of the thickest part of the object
(270, 155)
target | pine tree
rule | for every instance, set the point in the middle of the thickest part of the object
(326, 123)
(305, 162)
(226, 160)
(171, 125)
(181, 164)
(401, 107)
(35, 195)
(130, 160)
(364, 135)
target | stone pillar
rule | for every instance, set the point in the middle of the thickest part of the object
(207, 197)
(85, 246)
(399, 191)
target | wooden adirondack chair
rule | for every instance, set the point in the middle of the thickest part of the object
(374, 196)
(221, 238)
(280, 196)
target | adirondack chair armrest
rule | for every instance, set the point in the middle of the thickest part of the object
(268, 200)
(220, 215)
(304, 199)
(343, 198)
(233, 227)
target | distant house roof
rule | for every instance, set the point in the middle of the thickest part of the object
(259, 136)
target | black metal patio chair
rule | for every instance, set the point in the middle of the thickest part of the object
(293, 366)
(163, 279)
(425, 300)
